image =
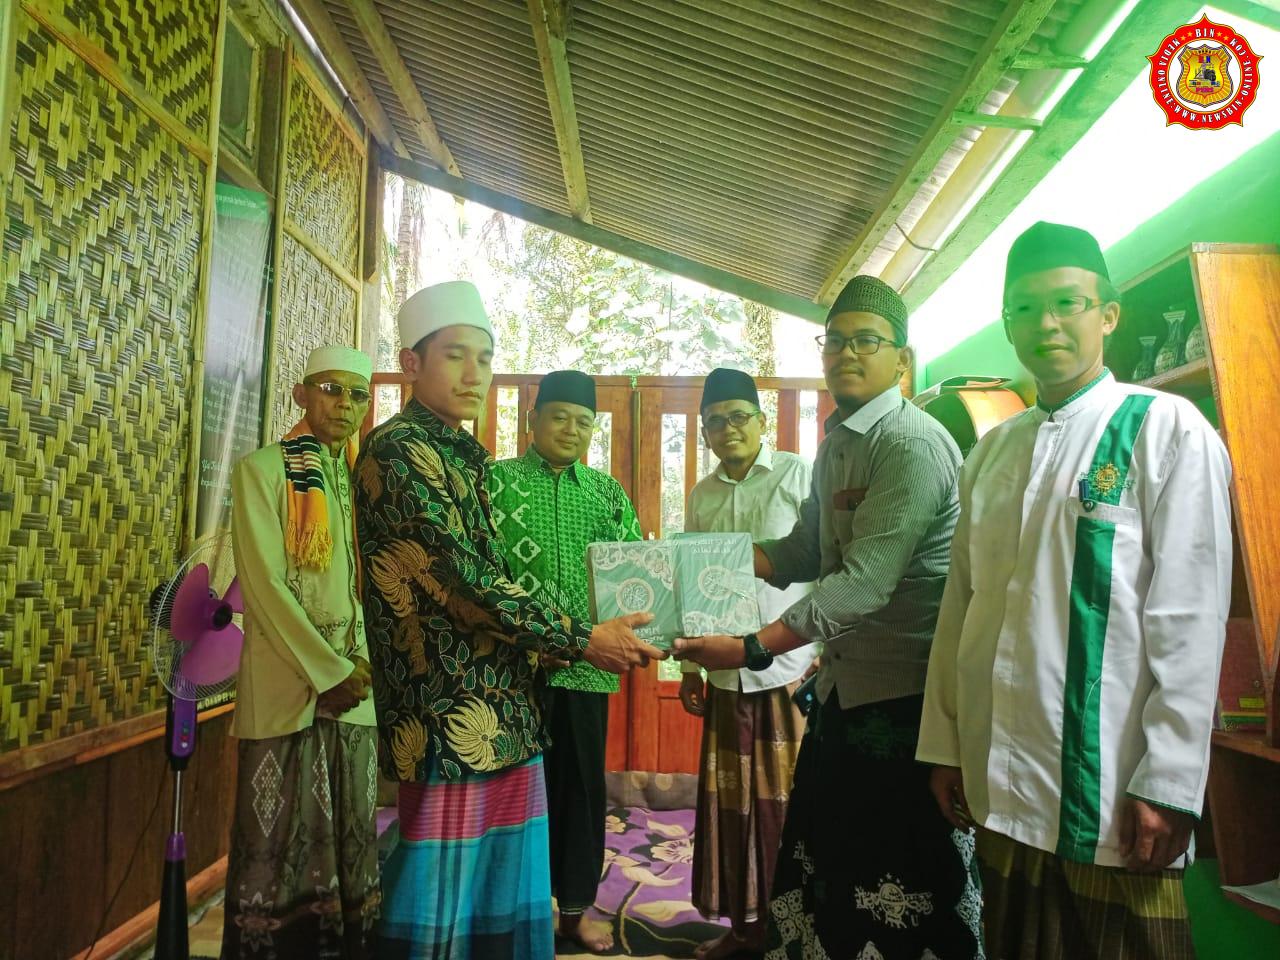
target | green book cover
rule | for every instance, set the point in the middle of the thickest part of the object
(636, 577)
(715, 584)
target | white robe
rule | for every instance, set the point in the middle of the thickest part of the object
(1078, 646)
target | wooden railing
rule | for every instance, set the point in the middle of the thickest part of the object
(485, 428)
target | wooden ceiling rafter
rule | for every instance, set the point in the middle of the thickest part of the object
(1004, 44)
(1090, 96)
(339, 55)
(380, 41)
(549, 20)
(628, 246)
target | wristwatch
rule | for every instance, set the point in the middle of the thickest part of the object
(755, 656)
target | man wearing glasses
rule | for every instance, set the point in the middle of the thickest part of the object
(752, 729)
(868, 866)
(548, 506)
(1074, 670)
(302, 874)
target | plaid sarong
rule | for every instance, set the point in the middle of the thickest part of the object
(1042, 907)
(469, 878)
(302, 874)
(750, 742)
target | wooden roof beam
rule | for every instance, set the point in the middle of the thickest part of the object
(1015, 27)
(549, 19)
(1096, 89)
(609, 240)
(384, 48)
(1001, 120)
(1049, 61)
(343, 61)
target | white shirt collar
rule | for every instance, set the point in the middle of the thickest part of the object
(764, 460)
(874, 410)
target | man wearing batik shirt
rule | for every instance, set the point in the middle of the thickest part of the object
(547, 507)
(868, 867)
(303, 713)
(752, 730)
(455, 647)
(1074, 670)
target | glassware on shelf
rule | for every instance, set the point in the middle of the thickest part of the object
(1170, 354)
(1147, 362)
(1194, 349)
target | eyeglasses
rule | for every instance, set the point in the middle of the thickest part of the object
(739, 418)
(1061, 308)
(864, 344)
(338, 391)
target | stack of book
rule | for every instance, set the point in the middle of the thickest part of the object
(693, 584)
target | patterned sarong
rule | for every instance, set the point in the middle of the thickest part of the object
(869, 869)
(750, 742)
(469, 878)
(302, 875)
(1041, 907)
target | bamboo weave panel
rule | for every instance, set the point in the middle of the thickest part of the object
(316, 308)
(323, 176)
(166, 45)
(101, 230)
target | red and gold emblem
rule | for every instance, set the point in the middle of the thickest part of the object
(1204, 76)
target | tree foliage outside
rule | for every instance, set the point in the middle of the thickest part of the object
(556, 302)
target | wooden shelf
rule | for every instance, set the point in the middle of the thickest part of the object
(1255, 745)
(1261, 909)
(1190, 380)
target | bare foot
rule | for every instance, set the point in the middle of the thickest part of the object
(594, 935)
(729, 944)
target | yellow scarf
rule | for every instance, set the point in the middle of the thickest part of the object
(307, 538)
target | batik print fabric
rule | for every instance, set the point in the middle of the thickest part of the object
(302, 874)
(546, 519)
(868, 867)
(453, 641)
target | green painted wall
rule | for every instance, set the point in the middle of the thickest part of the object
(1223, 930)
(1239, 205)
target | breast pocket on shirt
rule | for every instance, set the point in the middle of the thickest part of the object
(844, 505)
(1125, 518)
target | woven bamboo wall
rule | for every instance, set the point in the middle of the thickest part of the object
(166, 45)
(102, 216)
(318, 296)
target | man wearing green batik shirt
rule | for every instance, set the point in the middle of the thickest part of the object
(548, 506)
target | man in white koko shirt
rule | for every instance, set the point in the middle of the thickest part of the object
(1074, 669)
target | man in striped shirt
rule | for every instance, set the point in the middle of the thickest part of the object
(868, 866)
(1074, 670)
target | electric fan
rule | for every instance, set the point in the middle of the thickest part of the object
(195, 647)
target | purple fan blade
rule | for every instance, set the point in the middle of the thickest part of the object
(233, 597)
(190, 615)
(213, 656)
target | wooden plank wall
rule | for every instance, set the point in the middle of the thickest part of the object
(68, 838)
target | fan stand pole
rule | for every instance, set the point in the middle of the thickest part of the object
(180, 741)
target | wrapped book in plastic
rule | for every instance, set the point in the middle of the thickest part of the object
(715, 584)
(693, 584)
(636, 577)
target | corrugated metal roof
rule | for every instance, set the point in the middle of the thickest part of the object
(758, 137)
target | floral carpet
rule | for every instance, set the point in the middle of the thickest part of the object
(644, 890)
(648, 866)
